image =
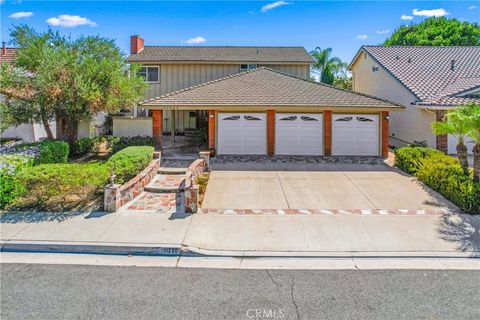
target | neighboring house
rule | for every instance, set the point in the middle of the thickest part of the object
(36, 131)
(258, 101)
(428, 81)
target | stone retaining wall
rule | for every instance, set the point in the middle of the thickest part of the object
(117, 195)
(191, 188)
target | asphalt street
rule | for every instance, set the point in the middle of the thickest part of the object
(33, 291)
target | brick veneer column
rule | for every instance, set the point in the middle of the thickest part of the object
(157, 119)
(211, 129)
(385, 122)
(270, 133)
(441, 139)
(327, 132)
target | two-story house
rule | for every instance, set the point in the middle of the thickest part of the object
(428, 81)
(254, 100)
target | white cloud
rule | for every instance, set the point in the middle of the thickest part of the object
(383, 31)
(473, 7)
(362, 36)
(273, 5)
(405, 17)
(430, 13)
(21, 14)
(68, 21)
(195, 40)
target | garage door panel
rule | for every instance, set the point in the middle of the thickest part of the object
(298, 134)
(355, 134)
(241, 133)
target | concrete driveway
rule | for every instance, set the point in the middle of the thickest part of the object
(316, 186)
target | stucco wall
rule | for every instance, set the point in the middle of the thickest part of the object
(409, 125)
(28, 132)
(130, 127)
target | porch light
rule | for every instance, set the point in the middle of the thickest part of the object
(387, 118)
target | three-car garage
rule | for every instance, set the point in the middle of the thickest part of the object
(298, 134)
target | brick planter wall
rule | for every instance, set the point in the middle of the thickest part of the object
(117, 195)
(191, 188)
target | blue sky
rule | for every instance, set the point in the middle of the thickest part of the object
(342, 25)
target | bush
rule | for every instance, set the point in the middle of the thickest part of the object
(116, 144)
(53, 151)
(409, 158)
(84, 146)
(128, 162)
(60, 186)
(445, 175)
(10, 166)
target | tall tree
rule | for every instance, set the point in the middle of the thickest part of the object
(326, 66)
(67, 80)
(436, 31)
(473, 124)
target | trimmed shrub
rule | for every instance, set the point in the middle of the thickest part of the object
(53, 151)
(444, 174)
(10, 166)
(83, 146)
(116, 144)
(409, 158)
(60, 186)
(128, 162)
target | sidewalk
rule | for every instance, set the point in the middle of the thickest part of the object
(301, 235)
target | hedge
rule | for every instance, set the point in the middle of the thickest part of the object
(116, 144)
(52, 151)
(60, 186)
(128, 162)
(442, 173)
(83, 146)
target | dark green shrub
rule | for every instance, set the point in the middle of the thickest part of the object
(60, 186)
(409, 158)
(83, 146)
(53, 151)
(116, 144)
(128, 162)
(10, 166)
(445, 175)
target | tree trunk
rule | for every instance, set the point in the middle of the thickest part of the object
(476, 162)
(48, 130)
(462, 154)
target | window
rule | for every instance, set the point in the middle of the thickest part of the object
(344, 119)
(251, 118)
(363, 119)
(232, 118)
(248, 66)
(374, 69)
(290, 118)
(150, 74)
(305, 118)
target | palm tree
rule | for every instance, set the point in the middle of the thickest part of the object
(456, 125)
(325, 65)
(473, 124)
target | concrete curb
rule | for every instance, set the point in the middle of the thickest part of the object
(177, 250)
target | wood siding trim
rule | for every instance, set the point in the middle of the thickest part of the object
(385, 117)
(212, 117)
(157, 133)
(270, 133)
(327, 133)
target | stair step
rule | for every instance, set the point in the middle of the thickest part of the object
(156, 189)
(172, 170)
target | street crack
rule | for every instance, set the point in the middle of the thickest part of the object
(271, 278)
(292, 295)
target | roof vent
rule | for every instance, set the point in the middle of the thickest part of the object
(409, 60)
(452, 65)
(397, 57)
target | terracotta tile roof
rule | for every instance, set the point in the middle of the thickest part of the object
(266, 87)
(428, 72)
(223, 54)
(9, 56)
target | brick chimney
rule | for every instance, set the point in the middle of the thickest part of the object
(4, 48)
(136, 44)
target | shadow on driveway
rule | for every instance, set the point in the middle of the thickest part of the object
(462, 229)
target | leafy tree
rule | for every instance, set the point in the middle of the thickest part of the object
(68, 80)
(436, 31)
(343, 79)
(326, 66)
(473, 125)
(456, 125)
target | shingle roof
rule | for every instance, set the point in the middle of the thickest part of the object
(427, 71)
(223, 54)
(266, 87)
(9, 56)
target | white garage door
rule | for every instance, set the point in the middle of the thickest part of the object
(452, 144)
(298, 134)
(355, 135)
(242, 133)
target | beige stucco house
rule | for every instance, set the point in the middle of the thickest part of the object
(252, 100)
(426, 80)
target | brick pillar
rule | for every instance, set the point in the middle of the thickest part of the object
(384, 116)
(211, 129)
(270, 133)
(441, 139)
(157, 119)
(327, 132)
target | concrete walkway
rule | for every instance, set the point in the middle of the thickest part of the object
(334, 235)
